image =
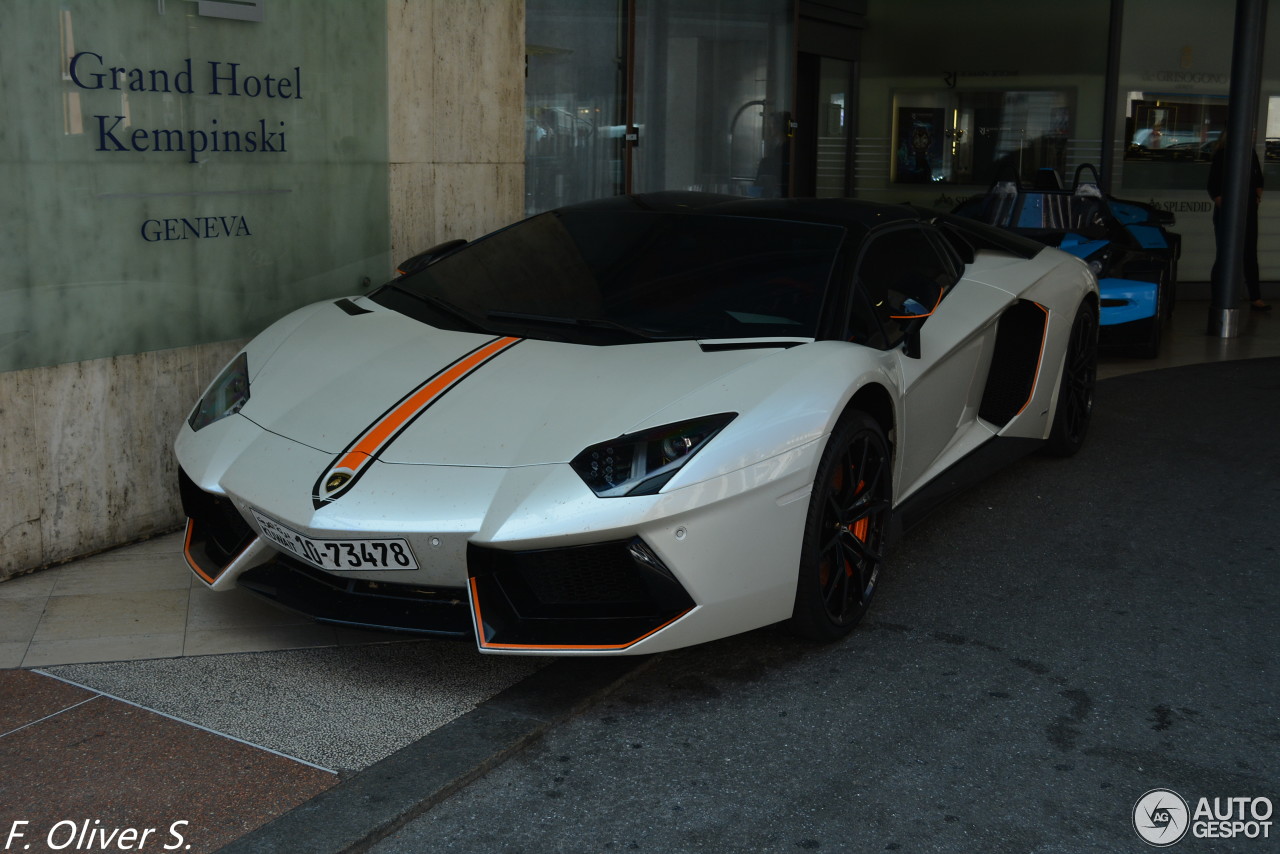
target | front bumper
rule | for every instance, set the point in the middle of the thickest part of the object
(524, 560)
(1123, 335)
(292, 584)
(1125, 302)
(603, 596)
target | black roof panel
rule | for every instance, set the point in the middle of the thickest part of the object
(860, 213)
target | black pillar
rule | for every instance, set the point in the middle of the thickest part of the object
(1111, 96)
(1246, 82)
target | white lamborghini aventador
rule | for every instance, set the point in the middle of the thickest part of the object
(635, 424)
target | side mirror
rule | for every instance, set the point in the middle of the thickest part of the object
(911, 340)
(422, 259)
(917, 298)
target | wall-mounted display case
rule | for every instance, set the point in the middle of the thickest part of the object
(968, 137)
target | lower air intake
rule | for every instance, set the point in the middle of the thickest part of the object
(602, 596)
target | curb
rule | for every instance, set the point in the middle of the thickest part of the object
(366, 808)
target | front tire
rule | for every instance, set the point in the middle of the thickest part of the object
(845, 531)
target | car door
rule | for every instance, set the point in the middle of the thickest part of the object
(926, 315)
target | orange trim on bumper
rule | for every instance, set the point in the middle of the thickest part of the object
(191, 562)
(485, 644)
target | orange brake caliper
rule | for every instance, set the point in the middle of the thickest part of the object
(858, 529)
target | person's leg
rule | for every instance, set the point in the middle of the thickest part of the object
(1250, 266)
(1217, 244)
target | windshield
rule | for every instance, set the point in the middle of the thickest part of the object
(609, 276)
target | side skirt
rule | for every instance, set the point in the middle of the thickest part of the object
(964, 473)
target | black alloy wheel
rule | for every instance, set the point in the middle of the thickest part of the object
(1079, 377)
(845, 532)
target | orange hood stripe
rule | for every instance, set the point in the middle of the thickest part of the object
(351, 463)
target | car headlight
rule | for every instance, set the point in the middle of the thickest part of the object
(227, 396)
(642, 463)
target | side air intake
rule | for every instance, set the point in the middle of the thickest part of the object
(1015, 363)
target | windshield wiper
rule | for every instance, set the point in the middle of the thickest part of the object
(587, 322)
(441, 305)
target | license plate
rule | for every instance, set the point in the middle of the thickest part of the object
(339, 554)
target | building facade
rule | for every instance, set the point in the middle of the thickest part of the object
(1026, 82)
(179, 173)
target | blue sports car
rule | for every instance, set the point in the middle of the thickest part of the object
(1125, 243)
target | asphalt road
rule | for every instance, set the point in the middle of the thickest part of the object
(1044, 651)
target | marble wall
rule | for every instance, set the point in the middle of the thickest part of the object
(86, 447)
(455, 81)
(86, 451)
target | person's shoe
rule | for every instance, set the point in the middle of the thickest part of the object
(1259, 305)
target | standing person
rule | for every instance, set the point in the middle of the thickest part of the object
(1217, 174)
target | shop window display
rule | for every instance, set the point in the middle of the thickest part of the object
(1162, 129)
(1170, 139)
(1272, 141)
(960, 137)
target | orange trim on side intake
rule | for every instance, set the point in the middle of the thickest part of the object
(484, 644)
(1044, 341)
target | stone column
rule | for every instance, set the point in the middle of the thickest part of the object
(455, 89)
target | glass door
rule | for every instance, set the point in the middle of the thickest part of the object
(712, 87)
(824, 126)
(647, 95)
(575, 101)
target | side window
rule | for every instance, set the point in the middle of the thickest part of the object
(903, 277)
(955, 252)
(962, 250)
(863, 327)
